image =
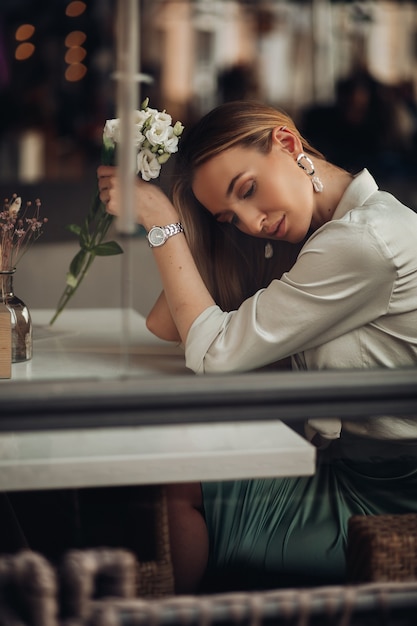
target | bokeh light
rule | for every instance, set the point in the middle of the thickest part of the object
(75, 55)
(75, 38)
(75, 8)
(24, 32)
(24, 51)
(75, 72)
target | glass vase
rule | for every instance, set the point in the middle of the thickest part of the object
(20, 318)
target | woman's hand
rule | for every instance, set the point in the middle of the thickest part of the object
(108, 188)
(152, 206)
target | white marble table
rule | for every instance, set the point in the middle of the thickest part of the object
(92, 343)
(96, 343)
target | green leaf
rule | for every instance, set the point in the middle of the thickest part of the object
(77, 263)
(108, 248)
(74, 228)
(85, 241)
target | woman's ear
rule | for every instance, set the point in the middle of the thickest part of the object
(286, 139)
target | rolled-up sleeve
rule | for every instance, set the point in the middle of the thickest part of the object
(202, 334)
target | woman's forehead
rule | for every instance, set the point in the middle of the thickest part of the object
(214, 174)
(226, 163)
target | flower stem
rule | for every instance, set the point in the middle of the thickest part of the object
(99, 221)
(69, 291)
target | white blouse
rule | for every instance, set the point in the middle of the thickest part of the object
(349, 301)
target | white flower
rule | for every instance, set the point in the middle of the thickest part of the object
(158, 133)
(140, 117)
(163, 117)
(147, 164)
(149, 111)
(15, 206)
(171, 142)
(154, 138)
(111, 133)
(138, 137)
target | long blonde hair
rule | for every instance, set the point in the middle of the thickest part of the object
(232, 264)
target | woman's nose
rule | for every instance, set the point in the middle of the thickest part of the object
(253, 220)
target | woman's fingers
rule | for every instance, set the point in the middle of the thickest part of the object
(149, 198)
(105, 170)
(108, 187)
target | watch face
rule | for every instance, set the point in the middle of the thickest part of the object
(156, 236)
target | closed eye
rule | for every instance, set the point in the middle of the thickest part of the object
(250, 191)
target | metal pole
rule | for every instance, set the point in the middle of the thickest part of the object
(128, 34)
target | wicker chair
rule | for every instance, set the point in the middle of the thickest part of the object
(382, 548)
(87, 575)
(28, 590)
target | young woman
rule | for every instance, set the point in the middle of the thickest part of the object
(268, 251)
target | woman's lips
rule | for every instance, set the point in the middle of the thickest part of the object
(279, 230)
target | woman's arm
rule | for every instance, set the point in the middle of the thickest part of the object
(185, 291)
(159, 320)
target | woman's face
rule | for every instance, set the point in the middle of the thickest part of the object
(264, 195)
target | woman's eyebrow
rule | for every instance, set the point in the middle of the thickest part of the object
(232, 184)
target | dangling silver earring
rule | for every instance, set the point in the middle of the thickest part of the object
(307, 165)
(269, 250)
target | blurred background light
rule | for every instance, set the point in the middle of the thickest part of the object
(75, 72)
(75, 38)
(75, 55)
(24, 32)
(75, 8)
(24, 51)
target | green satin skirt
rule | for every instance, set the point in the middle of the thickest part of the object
(274, 532)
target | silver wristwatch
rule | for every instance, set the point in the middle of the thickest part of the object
(158, 235)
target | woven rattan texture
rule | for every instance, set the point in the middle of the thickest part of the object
(35, 592)
(155, 578)
(382, 548)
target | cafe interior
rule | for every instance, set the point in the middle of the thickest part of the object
(99, 418)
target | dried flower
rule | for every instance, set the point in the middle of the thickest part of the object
(155, 139)
(18, 229)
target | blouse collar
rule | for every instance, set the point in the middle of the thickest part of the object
(360, 189)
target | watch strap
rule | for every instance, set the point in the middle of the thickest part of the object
(173, 229)
(169, 231)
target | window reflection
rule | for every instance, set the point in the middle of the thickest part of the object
(54, 104)
(339, 68)
(56, 65)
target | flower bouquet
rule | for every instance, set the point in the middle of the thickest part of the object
(155, 139)
(18, 230)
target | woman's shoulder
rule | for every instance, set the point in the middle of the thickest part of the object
(365, 203)
(359, 243)
(380, 223)
(384, 208)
